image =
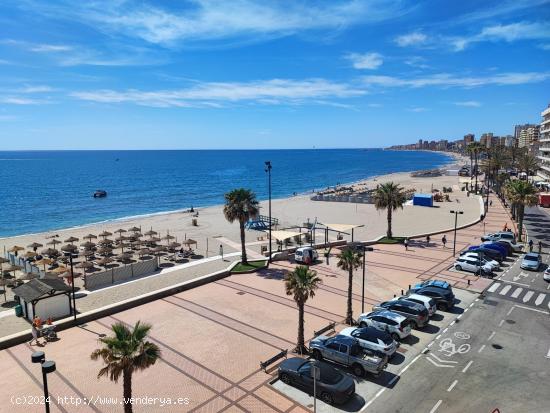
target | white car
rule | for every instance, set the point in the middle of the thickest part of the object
(372, 339)
(471, 264)
(427, 302)
(546, 274)
(306, 255)
(484, 259)
(515, 246)
(395, 324)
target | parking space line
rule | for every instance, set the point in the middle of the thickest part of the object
(532, 309)
(452, 385)
(501, 323)
(390, 383)
(548, 354)
(510, 311)
(436, 406)
(444, 331)
(467, 366)
(491, 336)
(454, 321)
(481, 349)
(437, 338)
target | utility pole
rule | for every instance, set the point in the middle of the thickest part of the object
(456, 221)
(268, 170)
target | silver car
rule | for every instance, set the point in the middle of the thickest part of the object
(531, 261)
(372, 339)
(395, 324)
(427, 302)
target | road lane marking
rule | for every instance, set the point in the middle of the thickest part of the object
(548, 354)
(516, 292)
(431, 344)
(437, 338)
(505, 290)
(443, 361)
(540, 299)
(528, 296)
(481, 349)
(452, 385)
(444, 331)
(454, 321)
(438, 365)
(467, 366)
(501, 323)
(393, 380)
(532, 309)
(515, 283)
(436, 406)
(491, 336)
(494, 287)
(510, 311)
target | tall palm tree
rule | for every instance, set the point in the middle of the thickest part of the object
(301, 283)
(241, 205)
(521, 194)
(475, 149)
(527, 163)
(389, 196)
(124, 353)
(349, 260)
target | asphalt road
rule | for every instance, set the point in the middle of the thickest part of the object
(496, 354)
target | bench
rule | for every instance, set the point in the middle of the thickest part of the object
(278, 356)
(329, 327)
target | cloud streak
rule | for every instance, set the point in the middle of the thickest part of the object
(366, 60)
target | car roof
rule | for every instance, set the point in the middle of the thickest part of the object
(406, 304)
(344, 340)
(389, 314)
(373, 332)
(434, 289)
(420, 297)
(532, 254)
(436, 283)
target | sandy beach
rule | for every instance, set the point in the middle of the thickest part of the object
(213, 230)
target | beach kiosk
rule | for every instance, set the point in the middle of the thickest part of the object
(426, 200)
(44, 298)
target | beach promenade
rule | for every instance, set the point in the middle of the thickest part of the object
(213, 337)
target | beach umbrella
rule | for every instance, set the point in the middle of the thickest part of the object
(174, 245)
(44, 262)
(106, 242)
(104, 261)
(13, 268)
(121, 238)
(144, 251)
(150, 233)
(120, 231)
(89, 237)
(30, 254)
(168, 237)
(153, 239)
(105, 234)
(135, 229)
(15, 249)
(59, 270)
(34, 246)
(123, 257)
(69, 248)
(88, 245)
(86, 253)
(50, 252)
(189, 242)
(71, 240)
(53, 242)
(105, 251)
(85, 265)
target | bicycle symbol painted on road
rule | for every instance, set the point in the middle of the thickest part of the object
(461, 335)
(449, 348)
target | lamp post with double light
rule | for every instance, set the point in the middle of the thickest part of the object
(48, 366)
(456, 221)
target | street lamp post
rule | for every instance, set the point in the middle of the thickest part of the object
(70, 254)
(268, 170)
(365, 249)
(48, 366)
(456, 220)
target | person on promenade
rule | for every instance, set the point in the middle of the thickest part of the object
(540, 247)
(406, 242)
(427, 240)
(444, 241)
(34, 332)
(530, 245)
(505, 227)
(491, 202)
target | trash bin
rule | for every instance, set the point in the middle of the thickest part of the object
(18, 310)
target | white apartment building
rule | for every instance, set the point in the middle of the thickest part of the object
(544, 149)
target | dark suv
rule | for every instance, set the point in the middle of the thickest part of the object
(443, 297)
(417, 314)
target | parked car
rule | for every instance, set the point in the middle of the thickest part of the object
(485, 260)
(515, 246)
(471, 264)
(416, 313)
(497, 247)
(427, 302)
(444, 298)
(306, 255)
(348, 352)
(546, 274)
(372, 339)
(497, 236)
(395, 324)
(489, 252)
(333, 387)
(531, 261)
(434, 283)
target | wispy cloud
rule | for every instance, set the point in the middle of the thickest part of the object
(418, 109)
(415, 38)
(417, 61)
(16, 100)
(48, 48)
(274, 91)
(468, 103)
(206, 20)
(36, 89)
(498, 9)
(449, 80)
(366, 60)
(544, 46)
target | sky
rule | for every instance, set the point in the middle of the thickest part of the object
(201, 74)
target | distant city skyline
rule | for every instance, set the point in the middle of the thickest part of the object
(208, 74)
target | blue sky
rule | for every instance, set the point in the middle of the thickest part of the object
(267, 74)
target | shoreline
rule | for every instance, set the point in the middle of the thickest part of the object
(130, 218)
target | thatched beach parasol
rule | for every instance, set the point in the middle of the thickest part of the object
(71, 240)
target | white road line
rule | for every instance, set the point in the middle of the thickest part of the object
(516, 292)
(437, 338)
(532, 309)
(471, 305)
(439, 365)
(548, 288)
(431, 344)
(436, 406)
(481, 349)
(444, 331)
(408, 365)
(505, 290)
(494, 287)
(466, 309)
(467, 366)
(454, 321)
(540, 299)
(515, 283)
(501, 323)
(459, 317)
(452, 385)
(528, 295)
(548, 354)
(443, 361)
(510, 311)
(393, 380)
(491, 336)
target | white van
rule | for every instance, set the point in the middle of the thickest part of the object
(306, 255)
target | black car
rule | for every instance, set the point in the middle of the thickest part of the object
(443, 297)
(333, 387)
(507, 246)
(417, 314)
(487, 252)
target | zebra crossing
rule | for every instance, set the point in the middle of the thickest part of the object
(518, 294)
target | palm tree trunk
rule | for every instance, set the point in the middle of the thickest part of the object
(127, 390)
(301, 347)
(389, 233)
(476, 171)
(349, 313)
(243, 246)
(521, 210)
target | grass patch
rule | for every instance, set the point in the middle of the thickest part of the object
(251, 266)
(394, 240)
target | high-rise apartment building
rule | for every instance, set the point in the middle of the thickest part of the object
(469, 138)
(544, 148)
(519, 128)
(528, 136)
(486, 139)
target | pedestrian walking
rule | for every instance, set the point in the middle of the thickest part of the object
(530, 245)
(444, 241)
(406, 242)
(427, 239)
(221, 251)
(540, 247)
(491, 202)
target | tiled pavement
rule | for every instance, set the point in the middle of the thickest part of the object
(213, 337)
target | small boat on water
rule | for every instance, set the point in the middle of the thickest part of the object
(100, 193)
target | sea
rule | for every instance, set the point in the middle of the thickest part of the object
(48, 190)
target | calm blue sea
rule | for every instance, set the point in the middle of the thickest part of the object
(51, 190)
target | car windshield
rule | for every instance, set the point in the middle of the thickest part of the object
(531, 258)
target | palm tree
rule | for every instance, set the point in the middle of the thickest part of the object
(301, 283)
(527, 163)
(125, 353)
(241, 205)
(521, 194)
(349, 260)
(389, 196)
(475, 149)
